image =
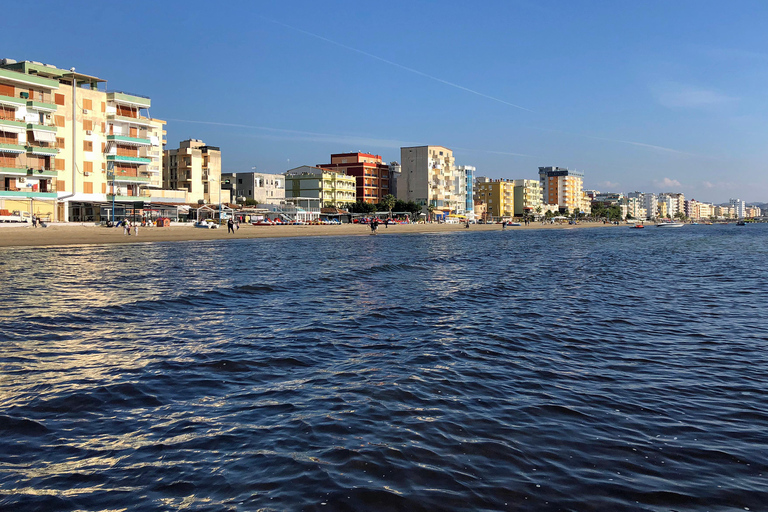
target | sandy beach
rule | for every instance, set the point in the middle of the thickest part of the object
(78, 234)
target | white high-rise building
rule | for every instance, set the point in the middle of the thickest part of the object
(429, 177)
(740, 207)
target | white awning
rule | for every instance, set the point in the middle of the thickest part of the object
(12, 129)
(44, 136)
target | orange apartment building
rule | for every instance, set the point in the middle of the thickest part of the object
(373, 176)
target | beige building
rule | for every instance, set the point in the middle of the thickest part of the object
(429, 177)
(261, 187)
(195, 169)
(90, 148)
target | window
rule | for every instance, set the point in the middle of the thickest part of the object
(59, 99)
(88, 167)
(103, 188)
(88, 187)
(103, 107)
(60, 142)
(87, 124)
(59, 121)
(60, 183)
(59, 163)
(87, 104)
(87, 145)
(103, 146)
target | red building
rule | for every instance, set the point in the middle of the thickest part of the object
(372, 175)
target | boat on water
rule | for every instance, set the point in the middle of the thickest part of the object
(637, 226)
(741, 223)
(670, 225)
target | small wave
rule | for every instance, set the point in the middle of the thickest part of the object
(21, 426)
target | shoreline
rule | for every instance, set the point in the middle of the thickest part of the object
(88, 234)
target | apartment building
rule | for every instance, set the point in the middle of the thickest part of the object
(564, 187)
(90, 147)
(264, 188)
(527, 197)
(329, 188)
(739, 206)
(195, 169)
(498, 195)
(372, 175)
(429, 177)
(670, 204)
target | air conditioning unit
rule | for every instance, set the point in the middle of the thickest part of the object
(85, 111)
(21, 180)
(86, 173)
(89, 132)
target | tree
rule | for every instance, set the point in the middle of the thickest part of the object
(430, 209)
(388, 202)
(538, 211)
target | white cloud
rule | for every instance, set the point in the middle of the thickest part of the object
(608, 184)
(677, 95)
(708, 184)
(667, 183)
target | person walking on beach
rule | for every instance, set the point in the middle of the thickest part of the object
(34, 221)
(230, 226)
(126, 227)
(136, 228)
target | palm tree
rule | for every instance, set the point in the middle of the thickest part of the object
(430, 209)
(388, 202)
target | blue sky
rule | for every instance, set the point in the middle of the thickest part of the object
(655, 96)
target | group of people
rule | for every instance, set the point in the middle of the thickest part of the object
(127, 227)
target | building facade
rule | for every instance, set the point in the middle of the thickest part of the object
(429, 177)
(527, 197)
(562, 186)
(261, 187)
(498, 195)
(371, 174)
(195, 169)
(90, 147)
(329, 187)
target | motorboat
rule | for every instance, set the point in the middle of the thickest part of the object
(670, 225)
(637, 226)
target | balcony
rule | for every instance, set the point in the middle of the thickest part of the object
(119, 178)
(125, 98)
(130, 141)
(139, 121)
(28, 194)
(16, 126)
(43, 127)
(42, 150)
(132, 199)
(24, 79)
(41, 106)
(12, 148)
(128, 159)
(10, 101)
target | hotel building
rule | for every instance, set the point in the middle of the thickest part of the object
(563, 187)
(195, 169)
(371, 174)
(498, 195)
(527, 197)
(328, 188)
(429, 177)
(89, 148)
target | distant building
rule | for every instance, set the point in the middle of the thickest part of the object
(670, 204)
(466, 184)
(563, 187)
(261, 187)
(371, 174)
(429, 177)
(739, 207)
(649, 202)
(498, 195)
(328, 187)
(527, 197)
(194, 168)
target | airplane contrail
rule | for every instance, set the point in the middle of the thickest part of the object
(395, 64)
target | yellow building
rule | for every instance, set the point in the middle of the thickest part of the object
(89, 147)
(329, 188)
(498, 195)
